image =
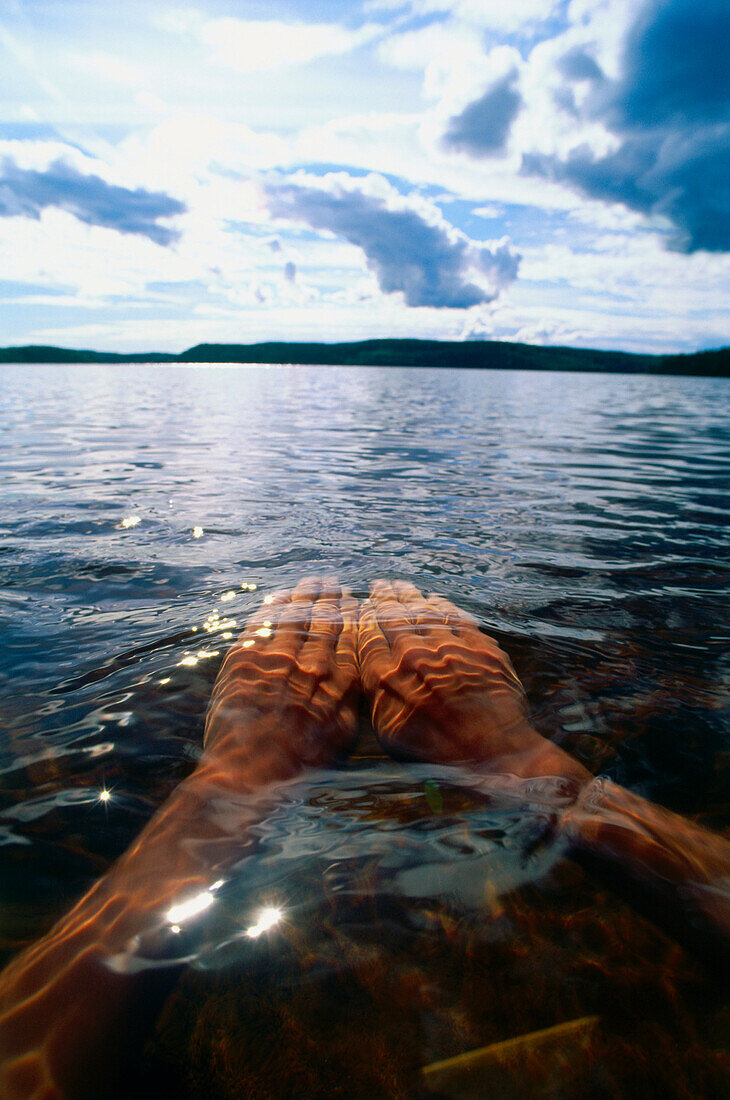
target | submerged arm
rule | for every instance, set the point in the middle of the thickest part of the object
(443, 691)
(284, 702)
(65, 1003)
(680, 863)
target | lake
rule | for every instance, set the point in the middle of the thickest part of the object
(144, 511)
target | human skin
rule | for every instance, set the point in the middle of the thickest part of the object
(442, 691)
(284, 702)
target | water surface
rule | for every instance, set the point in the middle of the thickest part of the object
(581, 518)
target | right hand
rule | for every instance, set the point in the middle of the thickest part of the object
(444, 692)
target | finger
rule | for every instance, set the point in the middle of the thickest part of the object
(259, 627)
(307, 590)
(267, 613)
(400, 623)
(346, 679)
(347, 640)
(507, 666)
(373, 651)
(458, 620)
(326, 618)
(466, 627)
(289, 633)
(383, 598)
(392, 617)
(410, 599)
(325, 623)
(426, 618)
(330, 588)
(381, 586)
(240, 660)
(317, 651)
(406, 592)
(277, 597)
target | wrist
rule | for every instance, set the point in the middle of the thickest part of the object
(531, 757)
(251, 752)
(615, 824)
(669, 858)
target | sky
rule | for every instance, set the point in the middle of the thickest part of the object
(547, 171)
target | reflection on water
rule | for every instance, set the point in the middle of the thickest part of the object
(383, 917)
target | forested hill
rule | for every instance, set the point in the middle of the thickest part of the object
(476, 354)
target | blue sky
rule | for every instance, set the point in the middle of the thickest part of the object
(552, 171)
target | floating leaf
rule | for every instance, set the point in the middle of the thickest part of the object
(433, 796)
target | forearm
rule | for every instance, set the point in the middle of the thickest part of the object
(284, 701)
(64, 1003)
(679, 866)
(683, 865)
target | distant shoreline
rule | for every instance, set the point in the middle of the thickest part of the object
(458, 355)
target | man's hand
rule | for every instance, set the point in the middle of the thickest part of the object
(443, 691)
(287, 692)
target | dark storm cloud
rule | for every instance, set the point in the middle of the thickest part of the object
(671, 111)
(676, 64)
(25, 192)
(685, 179)
(429, 264)
(482, 128)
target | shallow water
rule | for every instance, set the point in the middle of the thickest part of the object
(581, 518)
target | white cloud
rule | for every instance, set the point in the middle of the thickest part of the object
(38, 155)
(182, 148)
(601, 24)
(150, 104)
(591, 324)
(497, 15)
(449, 56)
(181, 21)
(409, 146)
(631, 267)
(507, 16)
(348, 317)
(59, 251)
(271, 44)
(208, 112)
(488, 212)
(106, 66)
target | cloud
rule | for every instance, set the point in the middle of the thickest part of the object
(577, 64)
(257, 46)
(25, 192)
(506, 16)
(668, 112)
(683, 178)
(483, 127)
(412, 250)
(446, 53)
(107, 67)
(290, 271)
(676, 64)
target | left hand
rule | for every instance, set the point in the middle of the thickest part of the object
(288, 687)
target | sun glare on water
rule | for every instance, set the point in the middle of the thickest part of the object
(268, 918)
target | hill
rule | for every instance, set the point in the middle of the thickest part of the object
(475, 355)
